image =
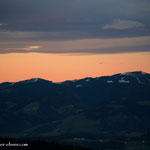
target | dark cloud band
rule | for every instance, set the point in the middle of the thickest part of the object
(43, 21)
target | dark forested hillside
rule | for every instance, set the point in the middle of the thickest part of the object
(81, 109)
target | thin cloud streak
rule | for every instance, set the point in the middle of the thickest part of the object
(118, 45)
(123, 25)
(29, 48)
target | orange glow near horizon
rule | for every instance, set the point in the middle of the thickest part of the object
(61, 67)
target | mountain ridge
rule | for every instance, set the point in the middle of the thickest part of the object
(82, 108)
(132, 73)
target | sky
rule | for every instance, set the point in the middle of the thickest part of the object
(72, 39)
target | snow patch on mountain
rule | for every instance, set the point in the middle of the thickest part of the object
(79, 85)
(110, 81)
(123, 81)
(75, 80)
(136, 73)
(87, 80)
(139, 81)
(126, 74)
(34, 79)
(12, 83)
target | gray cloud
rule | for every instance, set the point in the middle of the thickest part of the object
(123, 25)
(97, 46)
(61, 15)
(63, 20)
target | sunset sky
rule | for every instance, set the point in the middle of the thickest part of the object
(71, 39)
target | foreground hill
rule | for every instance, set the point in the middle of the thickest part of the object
(90, 107)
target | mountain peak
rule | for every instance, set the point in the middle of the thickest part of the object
(31, 80)
(34, 79)
(133, 73)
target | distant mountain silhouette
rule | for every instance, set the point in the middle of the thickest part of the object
(89, 107)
